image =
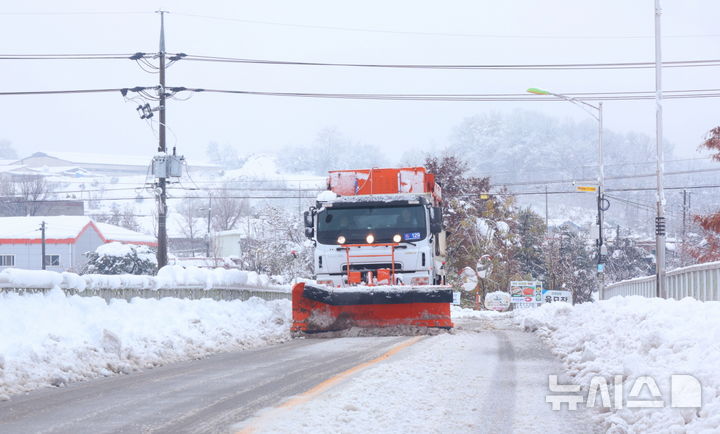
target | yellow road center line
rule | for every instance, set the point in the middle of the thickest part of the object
(323, 386)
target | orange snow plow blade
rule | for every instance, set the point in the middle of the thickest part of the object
(317, 308)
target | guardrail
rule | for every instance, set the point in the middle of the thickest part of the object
(701, 282)
(189, 292)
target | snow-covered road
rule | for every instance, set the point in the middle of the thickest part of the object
(207, 395)
(486, 377)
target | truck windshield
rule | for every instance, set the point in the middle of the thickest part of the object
(355, 224)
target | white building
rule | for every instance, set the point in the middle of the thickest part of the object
(67, 239)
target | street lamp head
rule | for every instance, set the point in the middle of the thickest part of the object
(537, 91)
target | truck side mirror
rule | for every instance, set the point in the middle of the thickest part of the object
(309, 232)
(436, 221)
(308, 219)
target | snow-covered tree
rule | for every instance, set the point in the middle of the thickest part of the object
(531, 233)
(478, 224)
(280, 247)
(571, 264)
(709, 248)
(117, 258)
(626, 260)
(6, 150)
(223, 155)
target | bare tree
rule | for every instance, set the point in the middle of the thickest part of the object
(191, 214)
(226, 210)
(124, 217)
(32, 189)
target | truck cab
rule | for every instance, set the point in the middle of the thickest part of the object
(378, 226)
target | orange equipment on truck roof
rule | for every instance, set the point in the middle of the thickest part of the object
(383, 181)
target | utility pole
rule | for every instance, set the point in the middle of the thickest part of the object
(208, 224)
(547, 226)
(42, 238)
(684, 192)
(660, 218)
(162, 256)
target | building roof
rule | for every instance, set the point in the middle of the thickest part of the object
(91, 158)
(80, 159)
(64, 230)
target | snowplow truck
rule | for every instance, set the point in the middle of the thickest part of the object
(379, 254)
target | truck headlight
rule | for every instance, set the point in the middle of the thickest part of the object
(370, 239)
(397, 238)
(341, 240)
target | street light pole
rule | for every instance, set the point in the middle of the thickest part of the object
(602, 203)
(601, 207)
(660, 218)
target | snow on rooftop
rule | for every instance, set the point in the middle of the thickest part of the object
(113, 159)
(379, 197)
(63, 227)
(117, 233)
(97, 158)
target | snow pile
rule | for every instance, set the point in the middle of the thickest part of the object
(53, 339)
(31, 278)
(169, 277)
(326, 196)
(174, 276)
(633, 337)
(457, 312)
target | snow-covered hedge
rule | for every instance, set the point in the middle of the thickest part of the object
(53, 339)
(169, 277)
(118, 258)
(633, 337)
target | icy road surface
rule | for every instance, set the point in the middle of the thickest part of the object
(487, 377)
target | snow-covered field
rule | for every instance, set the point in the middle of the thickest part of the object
(53, 339)
(633, 337)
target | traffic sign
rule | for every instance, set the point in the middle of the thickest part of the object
(586, 188)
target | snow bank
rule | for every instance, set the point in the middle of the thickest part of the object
(457, 312)
(53, 339)
(169, 277)
(636, 336)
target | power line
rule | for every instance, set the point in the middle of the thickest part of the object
(519, 193)
(594, 96)
(202, 58)
(619, 96)
(56, 92)
(283, 189)
(74, 13)
(64, 56)
(123, 91)
(451, 34)
(566, 181)
(560, 66)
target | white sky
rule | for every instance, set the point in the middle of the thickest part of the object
(515, 31)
